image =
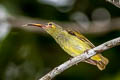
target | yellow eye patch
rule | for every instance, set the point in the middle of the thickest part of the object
(53, 26)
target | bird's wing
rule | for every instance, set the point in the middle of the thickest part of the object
(81, 37)
(98, 59)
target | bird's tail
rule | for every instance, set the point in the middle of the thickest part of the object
(99, 61)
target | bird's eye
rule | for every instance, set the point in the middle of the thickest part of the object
(50, 24)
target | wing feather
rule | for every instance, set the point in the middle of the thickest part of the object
(81, 37)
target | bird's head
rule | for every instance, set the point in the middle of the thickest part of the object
(49, 27)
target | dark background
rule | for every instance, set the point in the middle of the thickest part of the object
(28, 55)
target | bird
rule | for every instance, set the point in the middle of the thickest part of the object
(73, 43)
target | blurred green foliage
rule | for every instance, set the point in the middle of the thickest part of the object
(28, 55)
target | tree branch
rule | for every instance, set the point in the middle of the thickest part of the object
(77, 59)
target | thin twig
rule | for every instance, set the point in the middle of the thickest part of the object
(114, 24)
(115, 2)
(77, 59)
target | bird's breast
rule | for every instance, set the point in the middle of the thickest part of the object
(72, 45)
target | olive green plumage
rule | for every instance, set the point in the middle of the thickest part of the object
(73, 43)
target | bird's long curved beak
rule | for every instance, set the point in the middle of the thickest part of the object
(35, 24)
